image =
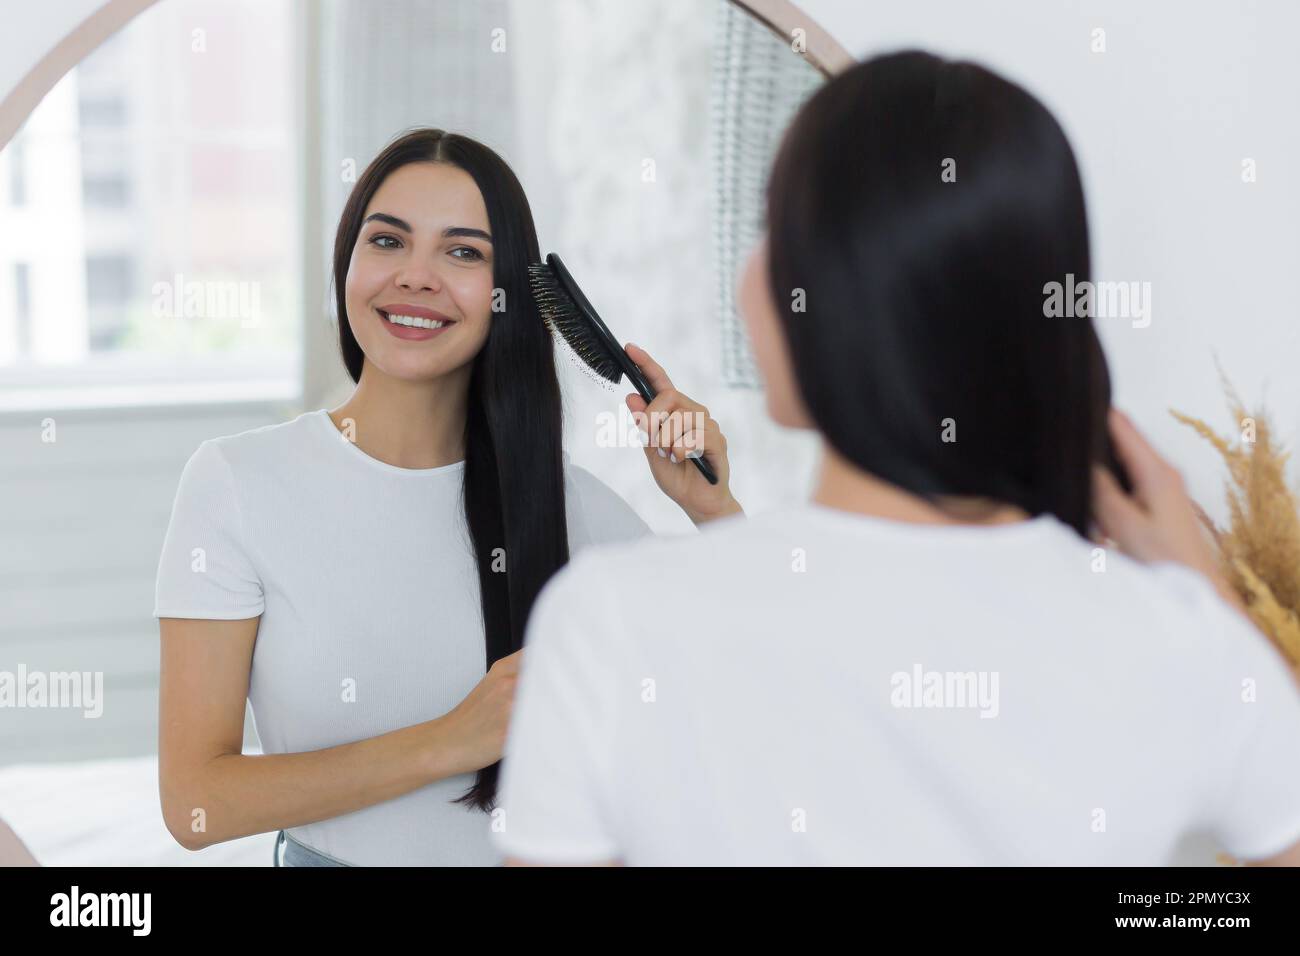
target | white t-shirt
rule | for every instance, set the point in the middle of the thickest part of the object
(790, 689)
(365, 581)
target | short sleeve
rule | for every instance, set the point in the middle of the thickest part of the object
(596, 513)
(556, 770)
(205, 570)
(1257, 811)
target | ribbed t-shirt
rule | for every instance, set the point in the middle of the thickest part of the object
(837, 689)
(365, 581)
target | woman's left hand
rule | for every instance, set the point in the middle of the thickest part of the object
(678, 428)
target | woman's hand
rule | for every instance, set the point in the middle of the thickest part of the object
(475, 729)
(1158, 521)
(679, 428)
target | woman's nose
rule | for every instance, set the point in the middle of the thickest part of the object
(418, 277)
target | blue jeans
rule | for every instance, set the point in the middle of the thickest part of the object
(297, 853)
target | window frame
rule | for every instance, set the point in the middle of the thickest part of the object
(107, 380)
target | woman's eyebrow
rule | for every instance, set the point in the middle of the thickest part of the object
(448, 233)
(401, 224)
(465, 232)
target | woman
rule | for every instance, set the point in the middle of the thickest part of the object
(355, 572)
(929, 663)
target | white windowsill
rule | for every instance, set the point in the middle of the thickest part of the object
(119, 381)
(64, 398)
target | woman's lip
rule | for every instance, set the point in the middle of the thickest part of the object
(415, 311)
(411, 332)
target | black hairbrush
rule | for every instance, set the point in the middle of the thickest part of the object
(566, 310)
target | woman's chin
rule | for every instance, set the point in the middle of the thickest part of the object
(415, 372)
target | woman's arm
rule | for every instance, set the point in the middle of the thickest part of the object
(212, 792)
(1158, 523)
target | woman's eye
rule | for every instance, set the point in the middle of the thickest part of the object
(382, 239)
(474, 254)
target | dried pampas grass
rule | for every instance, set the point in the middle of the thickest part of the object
(1260, 549)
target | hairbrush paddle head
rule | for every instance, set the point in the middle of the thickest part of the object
(566, 311)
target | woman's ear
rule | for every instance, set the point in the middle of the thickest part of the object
(767, 337)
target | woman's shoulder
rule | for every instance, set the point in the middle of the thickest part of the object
(255, 450)
(597, 514)
(267, 439)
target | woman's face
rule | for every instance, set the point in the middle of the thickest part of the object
(765, 335)
(424, 251)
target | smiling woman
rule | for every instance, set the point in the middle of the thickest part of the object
(367, 571)
(414, 316)
(419, 227)
(408, 321)
(399, 267)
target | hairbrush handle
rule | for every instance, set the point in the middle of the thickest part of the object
(643, 388)
(611, 346)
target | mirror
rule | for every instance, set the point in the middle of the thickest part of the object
(168, 209)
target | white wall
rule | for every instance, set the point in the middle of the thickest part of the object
(82, 520)
(1160, 122)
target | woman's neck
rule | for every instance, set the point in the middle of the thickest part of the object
(844, 486)
(408, 424)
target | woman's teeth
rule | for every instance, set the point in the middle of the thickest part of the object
(414, 321)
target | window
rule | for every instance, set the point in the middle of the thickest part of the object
(17, 182)
(22, 307)
(149, 224)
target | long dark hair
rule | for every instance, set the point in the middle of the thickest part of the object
(923, 281)
(514, 471)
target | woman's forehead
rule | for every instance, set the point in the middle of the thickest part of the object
(430, 194)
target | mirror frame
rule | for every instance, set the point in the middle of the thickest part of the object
(782, 17)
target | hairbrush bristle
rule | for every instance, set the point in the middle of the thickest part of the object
(561, 315)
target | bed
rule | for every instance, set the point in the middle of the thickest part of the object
(106, 813)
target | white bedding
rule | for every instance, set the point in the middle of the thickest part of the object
(106, 813)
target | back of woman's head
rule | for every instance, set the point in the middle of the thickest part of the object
(916, 210)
